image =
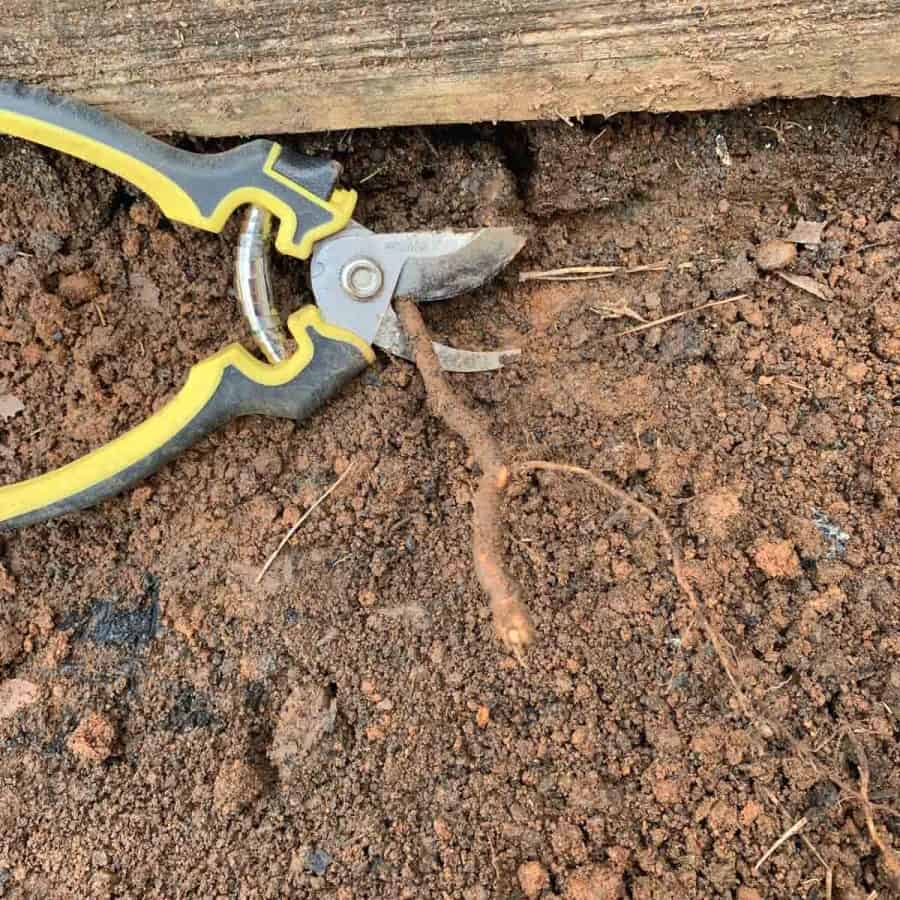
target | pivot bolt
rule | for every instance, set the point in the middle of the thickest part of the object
(362, 279)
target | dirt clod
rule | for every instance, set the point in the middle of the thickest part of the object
(533, 878)
(777, 559)
(775, 254)
(79, 287)
(306, 719)
(238, 785)
(94, 739)
(595, 883)
(15, 695)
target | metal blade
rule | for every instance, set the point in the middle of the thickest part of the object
(451, 263)
(392, 338)
(424, 265)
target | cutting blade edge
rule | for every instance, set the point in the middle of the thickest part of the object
(460, 262)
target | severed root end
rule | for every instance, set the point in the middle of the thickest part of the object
(513, 625)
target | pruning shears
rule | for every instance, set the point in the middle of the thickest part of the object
(292, 200)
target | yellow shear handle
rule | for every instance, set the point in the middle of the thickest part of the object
(231, 383)
(198, 189)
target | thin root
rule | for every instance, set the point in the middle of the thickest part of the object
(626, 499)
(889, 857)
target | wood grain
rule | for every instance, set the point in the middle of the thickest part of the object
(217, 67)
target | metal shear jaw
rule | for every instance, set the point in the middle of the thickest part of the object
(356, 273)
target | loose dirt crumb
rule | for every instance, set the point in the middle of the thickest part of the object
(775, 254)
(79, 287)
(533, 878)
(10, 643)
(442, 830)
(595, 883)
(748, 893)
(238, 785)
(306, 718)
(16, 694)
(94, 740)
(482, 717)
(777, 559)
(715, 515)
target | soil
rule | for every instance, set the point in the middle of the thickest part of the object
(351, 727)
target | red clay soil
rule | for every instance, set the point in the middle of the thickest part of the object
(352, 728)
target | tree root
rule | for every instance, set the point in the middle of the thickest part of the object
(512, 621)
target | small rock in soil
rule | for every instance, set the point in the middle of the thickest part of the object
(94, 740)
(317, 862)
(775, 254)
(533, 878)
(237, 786)
(833, 534)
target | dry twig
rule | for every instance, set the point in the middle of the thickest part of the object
(678, 315)
(798, 826)
(298, 523)
(620, 311)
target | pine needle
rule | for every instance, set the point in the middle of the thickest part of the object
(591, 273)
(295, 528)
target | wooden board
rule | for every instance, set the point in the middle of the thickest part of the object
(217, 67)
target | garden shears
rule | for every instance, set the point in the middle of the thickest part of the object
(354, 275)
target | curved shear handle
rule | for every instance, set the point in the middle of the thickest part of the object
(199, 189)
(232, 383)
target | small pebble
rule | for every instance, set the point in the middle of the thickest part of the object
(317, 862)
(775, 254)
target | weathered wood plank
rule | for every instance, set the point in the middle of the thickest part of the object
(215, 67)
